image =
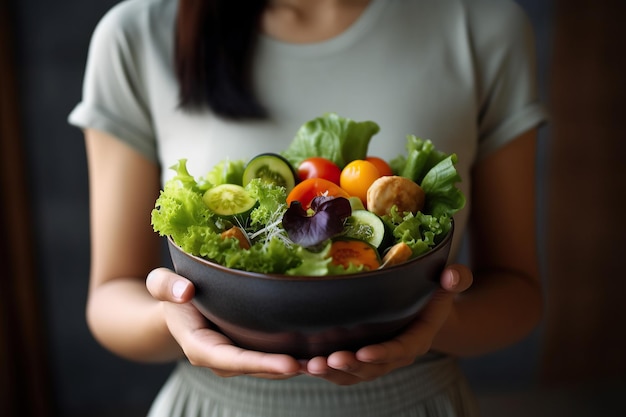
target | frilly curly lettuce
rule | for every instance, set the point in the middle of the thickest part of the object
(181, 214)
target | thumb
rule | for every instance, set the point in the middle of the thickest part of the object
(165, 285)
(456, 278)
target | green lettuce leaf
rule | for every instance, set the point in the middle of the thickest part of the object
(443, 198)
(420, 231)
(227, 172)
(180, 206)
(421, 157)
(274, 256)
(272, 200)
(313, 263)
(435, 172)
(336, 138)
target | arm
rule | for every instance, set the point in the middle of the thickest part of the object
(121, 314)
(160, 324)
(504, 301)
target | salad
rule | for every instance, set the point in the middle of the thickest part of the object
(321, 207)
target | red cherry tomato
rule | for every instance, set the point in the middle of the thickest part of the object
(317, 167)
(310, 188)
(383, 167)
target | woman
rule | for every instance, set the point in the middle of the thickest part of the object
(206, 80)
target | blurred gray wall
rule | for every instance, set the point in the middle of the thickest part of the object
(52, 41)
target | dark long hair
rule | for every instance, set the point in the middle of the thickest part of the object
(215, 42)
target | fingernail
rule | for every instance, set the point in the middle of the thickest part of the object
(178, 289)
(454, 278)
(318, 372)
(150, 276)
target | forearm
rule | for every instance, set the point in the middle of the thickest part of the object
(500, 309)
(125, 319)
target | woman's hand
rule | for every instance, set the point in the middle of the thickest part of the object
(371, 362)
(204, 346)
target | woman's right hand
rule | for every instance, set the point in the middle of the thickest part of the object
(202, 345)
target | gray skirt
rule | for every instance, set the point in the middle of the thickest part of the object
(431, 387)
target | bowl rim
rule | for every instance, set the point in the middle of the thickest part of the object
(285, 277)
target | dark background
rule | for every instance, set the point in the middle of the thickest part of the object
(50, 42)
(51, 45)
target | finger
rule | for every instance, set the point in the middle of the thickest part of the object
(456, 278)
(347, 362)
(344, 361)
(342, 368)
(318, 367)
(165, 285)
(211, 349)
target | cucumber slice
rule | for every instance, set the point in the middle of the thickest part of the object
(356, 203)
(270, 167)
(367, 226)
(229, 200)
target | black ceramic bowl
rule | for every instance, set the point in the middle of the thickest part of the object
(311, 316)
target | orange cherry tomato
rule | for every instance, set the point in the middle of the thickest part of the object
(310, 188)
(383, 167)
(357, 177)
(318, 167)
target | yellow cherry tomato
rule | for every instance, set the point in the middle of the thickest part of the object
(356, 178)
(383, 167)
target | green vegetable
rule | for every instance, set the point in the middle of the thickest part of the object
(435, 172)
(421, 157)
(179, 208)
(332, 137)
(272, 203)
(313, 263)
(229, 200)
(271, 168)
(420, 231)
(181, 213)
(356, 203)
(226, 172)
(367, 226)
(443, 198)
(271, 257)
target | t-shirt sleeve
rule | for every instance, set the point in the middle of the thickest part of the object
(114, 98)
(508, 93)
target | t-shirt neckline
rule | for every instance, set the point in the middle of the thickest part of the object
(354, 32)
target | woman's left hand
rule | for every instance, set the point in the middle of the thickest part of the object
(371, 362)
